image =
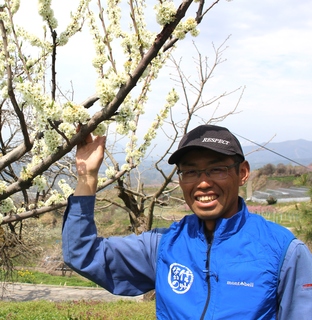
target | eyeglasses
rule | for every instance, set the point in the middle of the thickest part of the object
(215, 173)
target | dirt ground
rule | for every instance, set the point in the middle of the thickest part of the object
(30, 292)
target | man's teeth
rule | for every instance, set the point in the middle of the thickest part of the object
(206, 198)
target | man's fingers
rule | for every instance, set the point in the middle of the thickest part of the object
(101, 140)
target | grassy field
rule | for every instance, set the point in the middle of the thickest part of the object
(29, 275)
(70, 310)
(77, 310)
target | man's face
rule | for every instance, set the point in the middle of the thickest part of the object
(211, 199)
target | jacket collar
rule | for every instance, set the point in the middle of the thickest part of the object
(225, 228)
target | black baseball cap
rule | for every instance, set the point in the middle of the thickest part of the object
(218, 139)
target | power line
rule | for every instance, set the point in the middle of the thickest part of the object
(264, 147)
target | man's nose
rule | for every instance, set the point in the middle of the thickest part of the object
(204, 179)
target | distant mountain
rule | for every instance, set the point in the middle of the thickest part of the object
(280, 152)
(287, 152)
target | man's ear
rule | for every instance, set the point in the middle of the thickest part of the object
(244, 171)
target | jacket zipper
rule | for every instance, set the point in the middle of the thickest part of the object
(207, 271)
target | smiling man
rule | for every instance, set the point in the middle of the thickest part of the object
(222, 262)
(210, 184)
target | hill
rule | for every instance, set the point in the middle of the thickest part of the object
(288, 152)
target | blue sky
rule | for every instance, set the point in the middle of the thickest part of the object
(269, 51)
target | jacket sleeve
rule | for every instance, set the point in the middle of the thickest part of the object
(121, 265)
(295, 287)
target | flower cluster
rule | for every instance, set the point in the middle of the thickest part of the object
(45, 107)
(66, 189)
(15, 4)
(105, 91)
(99, 46)
(33, 39)
(114, 16)
(74, 113)
(52, 140)
(133, 45)
(124, 118)
(68, 129)
(3, 186)
(47, 13)
(7, 205)
(52, 110)
(8, 52)
(189, 25)
(20, 210)
(125, 167)
(172, 98)
(25, 276)
(40, 182)
(101, 181)
(110, 172)
(100, 130)
(165, 12)
(54, 198)
(25, 173)
(39, 151)
(75, 24)
(136, 154)
(106, 88)
(99, 61)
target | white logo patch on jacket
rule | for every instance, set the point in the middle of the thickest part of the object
(180, 278)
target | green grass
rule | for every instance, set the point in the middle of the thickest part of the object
(35, 277)
(70, 310)
(287, 219)
(285, 179)
(74, 310)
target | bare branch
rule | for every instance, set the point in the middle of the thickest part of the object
(32, 213)
(14, 102)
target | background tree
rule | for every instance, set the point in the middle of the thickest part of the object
(138, 201)
(304, 226)
(39, 116)
(39, 121)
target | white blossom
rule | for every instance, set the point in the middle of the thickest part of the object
(15, 4)
(40, 182)
(74, 113)
(125, 167)
(66, 189)
(165, 12)
(54, 198)
(101, 181)
(110, 172)
(189, 25)
(52, 140)
(25, 173)
(47, 13)
(68, 129)
(105, 90)
(21, 210)
(3, 186)
(7, 205)
(100, 130)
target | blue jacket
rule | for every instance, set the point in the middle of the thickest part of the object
(128, 266)
(233, 276)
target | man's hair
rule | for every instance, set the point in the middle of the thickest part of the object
(238, 159)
